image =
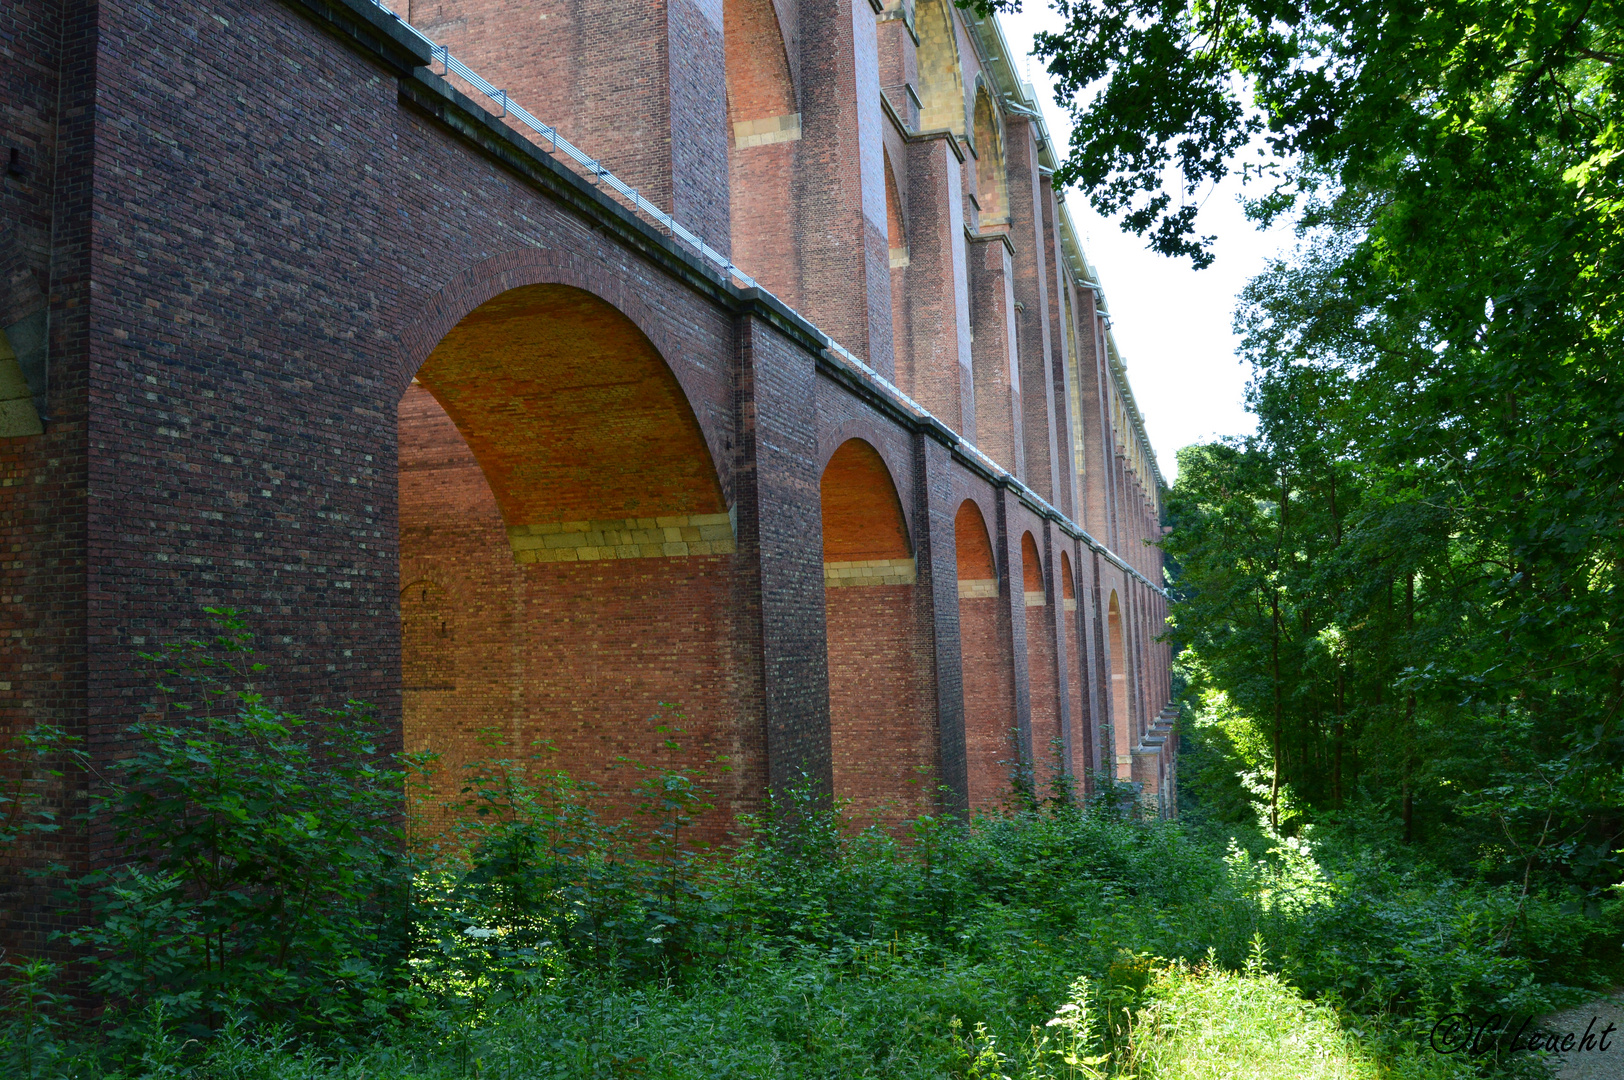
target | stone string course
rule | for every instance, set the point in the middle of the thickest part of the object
(623, 538)
(870, 572)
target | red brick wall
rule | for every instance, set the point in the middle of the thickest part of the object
(274, 257)
(1042, 670)
(839, 196)
(577, 654)
(884, 748)
(990, 748)
(638, 84)
(934, 369)
(762, 163)
(880, 730)
(996, 365)
(48, 110)
(1076, 675)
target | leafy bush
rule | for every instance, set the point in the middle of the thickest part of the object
(264, 867)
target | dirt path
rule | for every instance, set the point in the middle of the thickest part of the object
(1587, 1023)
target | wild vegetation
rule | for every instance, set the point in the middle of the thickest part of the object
(1407, 582)
(1403, 761)
(541, 935)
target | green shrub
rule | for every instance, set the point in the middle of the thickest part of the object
(264, 866)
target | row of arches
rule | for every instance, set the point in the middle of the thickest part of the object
(570, 569)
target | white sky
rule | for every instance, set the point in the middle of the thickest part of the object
(1171, 323)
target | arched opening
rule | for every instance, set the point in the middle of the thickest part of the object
(992, 179)
(1121, 719)
(568, 549)
(990, 744)
(764, 128)
(1082, 741)
(896, 226)
(1042, 672)
(881, 728)
(941, 78)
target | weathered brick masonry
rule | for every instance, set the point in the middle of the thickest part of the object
(292, 325)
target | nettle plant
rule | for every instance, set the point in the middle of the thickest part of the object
(263, 868)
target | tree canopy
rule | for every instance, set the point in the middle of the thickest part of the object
(1409, 578)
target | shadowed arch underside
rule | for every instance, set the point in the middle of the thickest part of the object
(992, 177)
(561, 511)
(941, 76)
(882, 719)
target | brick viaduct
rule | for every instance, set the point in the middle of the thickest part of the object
(292, 323)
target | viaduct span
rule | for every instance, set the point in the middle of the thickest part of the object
(297, 321)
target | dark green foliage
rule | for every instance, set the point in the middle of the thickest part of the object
(266, 869)
(534, 879)
(32, 763)
(544, 936)
(1409, 578)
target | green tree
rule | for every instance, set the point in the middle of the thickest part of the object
(1438, 369)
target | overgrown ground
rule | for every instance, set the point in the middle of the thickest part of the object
(1052, 940)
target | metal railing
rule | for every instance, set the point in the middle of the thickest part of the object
(450, 65)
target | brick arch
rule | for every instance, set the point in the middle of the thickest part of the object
(881, 711)
(1032, 571)
(760, 77)
(554, 479)
(763, 136)
(487, 279)
(862, 514)
(976, 560)
(896, 210)
(833, 438)
(941, 73)
(571, 412)
(992, 174)
(1121, 722)
(1068, 583)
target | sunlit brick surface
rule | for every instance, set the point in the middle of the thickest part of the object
(989, 696)
(504, 655)
(879, 719)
